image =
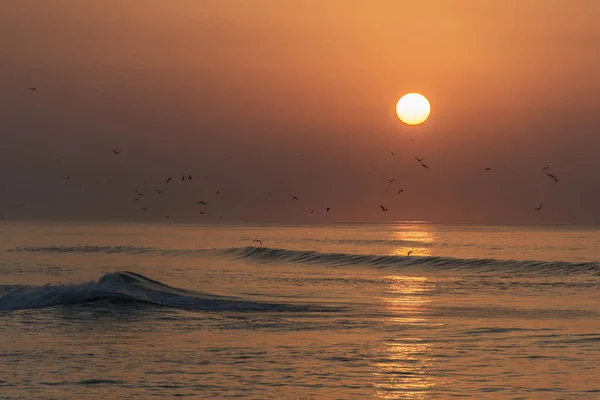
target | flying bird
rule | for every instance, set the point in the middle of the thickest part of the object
(488, 169)
(201, 212)
(408, 254)
(217, 191)
(553, 177)
(295, 198)
(400, 191)
(68, 177)
(327, 209)
(158, 191)
(183, 178)
(190, 177)
(168, 216)
(391, 180)
(392, 153)
(202, 202)
(169, 180)
(116, 152)
(545, 168)
(383, 208)
(270, 194)
(257, 241)
(311, 211)
(539, 207)
(424, 166)
(138, 193)
(145, 209)
(33, 89)
(419, 159)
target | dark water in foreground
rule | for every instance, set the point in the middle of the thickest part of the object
(324, 312)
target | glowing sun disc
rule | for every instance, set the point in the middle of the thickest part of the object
(413, 109)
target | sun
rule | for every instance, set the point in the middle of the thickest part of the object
(413, 109)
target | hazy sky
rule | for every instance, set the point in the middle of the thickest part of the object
(298, 97)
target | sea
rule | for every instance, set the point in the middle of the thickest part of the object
(107, 310)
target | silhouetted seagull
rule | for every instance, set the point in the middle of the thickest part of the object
(311, 211)
(33, 89)
(408, 254)
(392, 153)
(391, 180)
(201, 212)
(68, 177)
(545, 168)
(383, 208)
(168, 216)
(400, 191)
(138, 193)
(424, 166)
(419, 159)
(257, 241)
(202, 202)
(190, 177)
(116, 152)
(327, 209)
(553, 177)
(539, 208)
(488, 169)
(183, 178)
(158, 191)
(169, 180)
(295, 198)
(145, 209)
(218, 191)
(270, 194)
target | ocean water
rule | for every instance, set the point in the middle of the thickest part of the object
(123, 311)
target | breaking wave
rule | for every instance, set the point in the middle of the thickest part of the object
(132, 287)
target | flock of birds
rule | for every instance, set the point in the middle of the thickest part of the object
(203, 203)
(294, 197)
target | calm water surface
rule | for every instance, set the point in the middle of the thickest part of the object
(318, 312)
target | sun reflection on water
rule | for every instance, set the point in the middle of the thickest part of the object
(416, 239)
(405, 366)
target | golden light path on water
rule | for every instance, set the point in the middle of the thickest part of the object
(416, 238)
(405, 369)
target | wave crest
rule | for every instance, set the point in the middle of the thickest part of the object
(129, 286)
(556, 268)
(269, 254)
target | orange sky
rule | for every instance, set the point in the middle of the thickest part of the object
(239, 90)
